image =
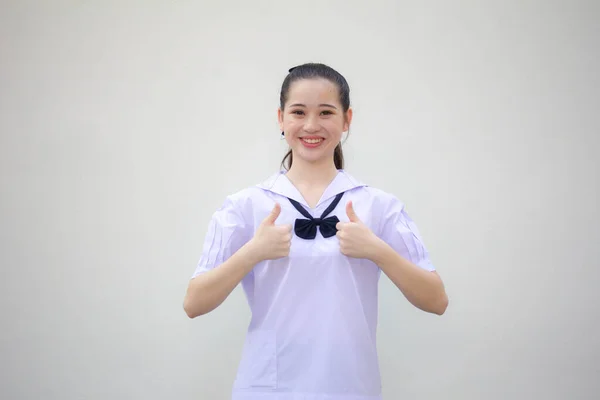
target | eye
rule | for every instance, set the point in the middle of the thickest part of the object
(298, 112)
(327, 112)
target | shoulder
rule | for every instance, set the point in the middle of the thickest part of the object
(247, 195)
(245, 200)
(240, 201)
(379, 199)
(376, 196)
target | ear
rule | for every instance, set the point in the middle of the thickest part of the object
(280, 118)
(348, 120)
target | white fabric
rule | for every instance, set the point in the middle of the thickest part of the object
(312, 335)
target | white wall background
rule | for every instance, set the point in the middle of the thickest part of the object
(125, 123)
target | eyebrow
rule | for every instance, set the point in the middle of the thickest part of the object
(320, 105)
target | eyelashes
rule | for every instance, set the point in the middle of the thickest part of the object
(300, 112)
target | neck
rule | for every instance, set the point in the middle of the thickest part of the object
(318, 174)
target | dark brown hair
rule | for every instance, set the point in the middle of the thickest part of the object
(315, 71)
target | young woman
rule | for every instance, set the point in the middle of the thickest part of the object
(308, 246)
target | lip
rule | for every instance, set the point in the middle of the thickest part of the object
(311, 145)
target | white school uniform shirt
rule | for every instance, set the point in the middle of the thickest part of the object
(312, 334)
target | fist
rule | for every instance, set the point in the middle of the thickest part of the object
(272, 241)
(356, 239)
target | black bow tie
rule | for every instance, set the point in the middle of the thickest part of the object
(307, 228)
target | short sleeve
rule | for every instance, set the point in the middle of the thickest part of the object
(401, 233)
(227, 233)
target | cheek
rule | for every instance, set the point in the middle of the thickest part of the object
(289, 123)
(335, 128)
(337, 123)
(291, 132)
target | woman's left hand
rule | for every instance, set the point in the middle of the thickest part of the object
(356, 239)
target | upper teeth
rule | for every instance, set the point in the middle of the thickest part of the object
(312, 140)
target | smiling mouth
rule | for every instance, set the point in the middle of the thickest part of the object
(312, 140)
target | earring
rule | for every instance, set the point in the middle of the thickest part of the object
(282, 135)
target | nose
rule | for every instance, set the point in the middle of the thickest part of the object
(311, 124)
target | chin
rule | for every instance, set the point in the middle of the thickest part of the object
(312, 158)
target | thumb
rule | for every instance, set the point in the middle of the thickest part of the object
(351, 213)
(272, 217)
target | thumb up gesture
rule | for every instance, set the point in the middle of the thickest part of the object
(356, 239)
(272, 241)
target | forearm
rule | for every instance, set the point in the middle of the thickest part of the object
(208, 290)
(424, 289)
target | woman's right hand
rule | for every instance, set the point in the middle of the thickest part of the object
(272, 241)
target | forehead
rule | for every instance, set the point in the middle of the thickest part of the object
(313, 91)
